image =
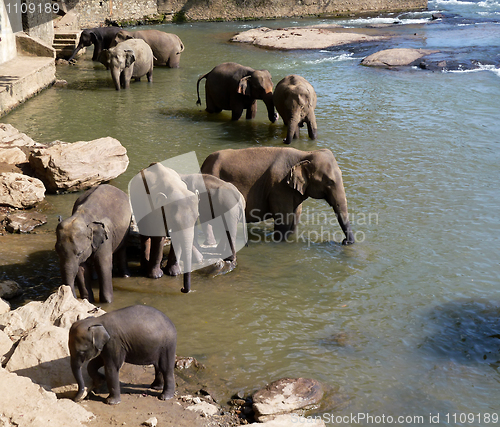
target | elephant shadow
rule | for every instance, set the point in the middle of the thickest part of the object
(464, 331)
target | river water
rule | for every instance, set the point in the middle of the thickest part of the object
(406, 322)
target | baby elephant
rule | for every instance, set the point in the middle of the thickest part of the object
(295, 101)
(131, 59)
(139, 334)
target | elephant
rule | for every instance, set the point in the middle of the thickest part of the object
(138, 334)
(100, 37)
(231, 86)
(95, 234)
(129, 59)
(166, 47)
(276, 180)
(295, 101)
(163, 206)
(221, 206)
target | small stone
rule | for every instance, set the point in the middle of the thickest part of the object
(9, 289)
(151, 422)
(24, 222)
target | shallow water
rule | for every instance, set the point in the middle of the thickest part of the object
(416, 300)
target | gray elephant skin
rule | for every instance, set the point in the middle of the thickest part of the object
(174, 211)
(231, 86)
(131, 59)
(295, 100)
(94, 235)
(166, 47)
(139, 335)
(276, 180)
(100, 37)
(218, 199)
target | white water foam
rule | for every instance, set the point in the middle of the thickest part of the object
(481, 67)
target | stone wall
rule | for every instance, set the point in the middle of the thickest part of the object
(96, 12)
(92, 13)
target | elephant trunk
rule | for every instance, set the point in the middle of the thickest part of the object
(68, 275)
(78, 48)
(76, 367)
(342, 214)
(268, 100)
(115, 74)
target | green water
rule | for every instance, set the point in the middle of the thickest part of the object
(417, 296)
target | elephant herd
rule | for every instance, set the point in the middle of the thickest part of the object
(229, 86)
(233, 186)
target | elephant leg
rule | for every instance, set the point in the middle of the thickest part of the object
(211, 105)
(154, 270)
(149, 75)
(120, 260)
(127, 76)
(173, 268)
(113, 381)
(103, 262)
(237, 111)
(209, 234)
(159, 379)
(285, 223)
(93, 369)
(312, 128)
(167, 365)
(252, 110)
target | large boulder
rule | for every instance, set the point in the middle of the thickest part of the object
(43, 356)
(395, 57)
(285, 396)
(13, 156)
(61, 309)
(20, 191)
(27, 404)
(79, 165)
(24, 222)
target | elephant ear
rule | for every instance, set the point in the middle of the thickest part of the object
(95, 37)
(130, 57)
(104, 57)
(100, 336)
(100, 232)
(244, 87)
(298, 177)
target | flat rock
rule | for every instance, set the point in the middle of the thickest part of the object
(395, 57)
(20, 191)
(79, 165)
(286, 395)
(204, 407)
(24, 222)
(290, 420)
(301, 38)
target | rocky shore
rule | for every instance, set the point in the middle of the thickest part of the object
(37, 384)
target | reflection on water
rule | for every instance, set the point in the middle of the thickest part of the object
(397, 321)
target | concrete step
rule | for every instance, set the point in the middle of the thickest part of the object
(74, 35)
(23, 77)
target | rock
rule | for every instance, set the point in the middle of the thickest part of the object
(20, 191)
(13, 156)
(151, 422)
(205, 408)
(24, 222)
(26, 404)
(9, 289)
(290, 420)
(61, 83)
(395, 57)
(43, 356)
(60, 309)
(11, 137)
(79, 165)
(301, 37)
(187, 362)
(286, 395)
(4, 306)
(5, 348)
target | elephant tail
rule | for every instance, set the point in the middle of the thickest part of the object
(198, 102)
